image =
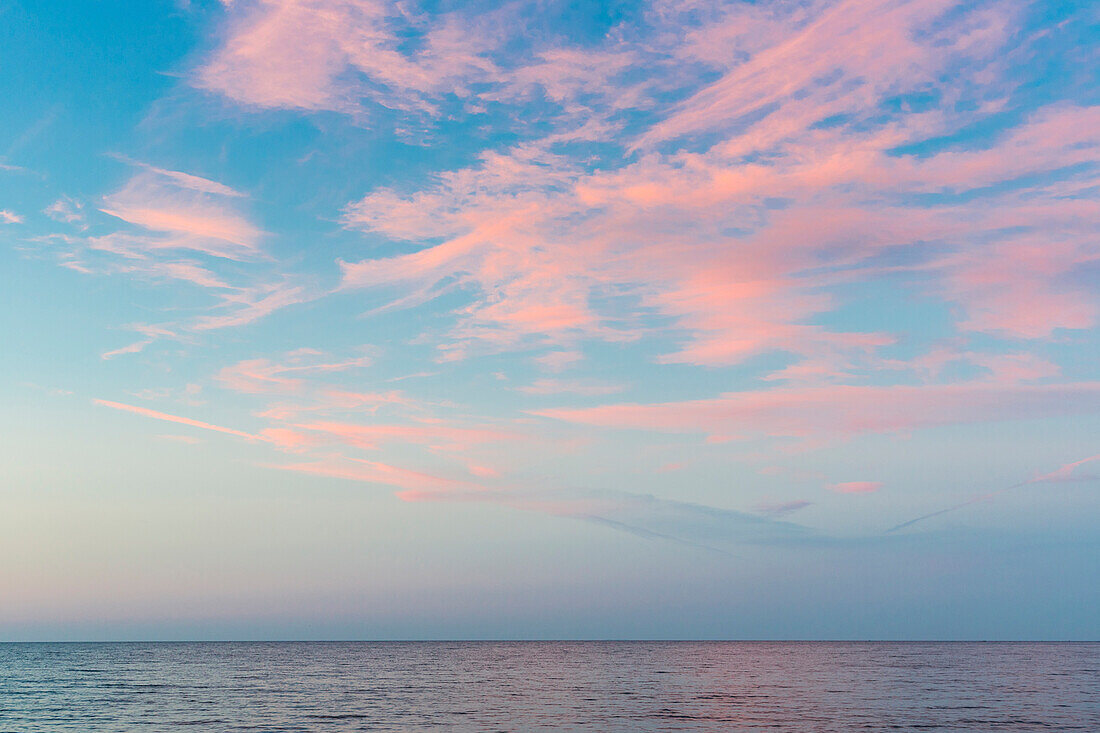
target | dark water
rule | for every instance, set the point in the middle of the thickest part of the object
(522, 686)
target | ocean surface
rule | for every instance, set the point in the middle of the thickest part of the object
(533, 686)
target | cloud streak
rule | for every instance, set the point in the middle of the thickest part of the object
(855, 487)
(843, 410)
(1063, 473)
(156, 415)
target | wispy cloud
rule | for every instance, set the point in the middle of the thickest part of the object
(1063, 473)
(66, 210)
(557, 361)
(184, 212)
(336, 55)
(185, 439)
(855, 487)
(843, 410)
(801, 115)
(247, 305)
(150, 332)
(156, 415)
(589, 387)
(436, 434)
(256, 376)
(782, 508)
(172, 226)
(185, 180)
(697, 525)
(376, 472)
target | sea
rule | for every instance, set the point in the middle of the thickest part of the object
(550, 686)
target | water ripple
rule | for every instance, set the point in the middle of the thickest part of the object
(581, 686)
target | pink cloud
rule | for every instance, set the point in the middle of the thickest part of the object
(187, 180)
(174, 418)
(287, 439)
(438, 435)
(151, 333)
(1015, 288)
(252, 304)
(138, 255)
(837, 57)
(537, 240)
(377, 472)
(168, 211)
(333, 54)
(254, 376)
(735, 300)
(186, 439)
(843, 410)
(254, 68)
(482, 471)
(184, 215)
(189, 272)
(587, 387)
(132, 348)
(66, 210)
(1001, 368)
(330, 400)
(1066, 472)
(855, 487)
(557, 361)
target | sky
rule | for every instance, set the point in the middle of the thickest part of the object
(362, 319)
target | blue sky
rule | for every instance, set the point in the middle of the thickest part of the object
(359, 319)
